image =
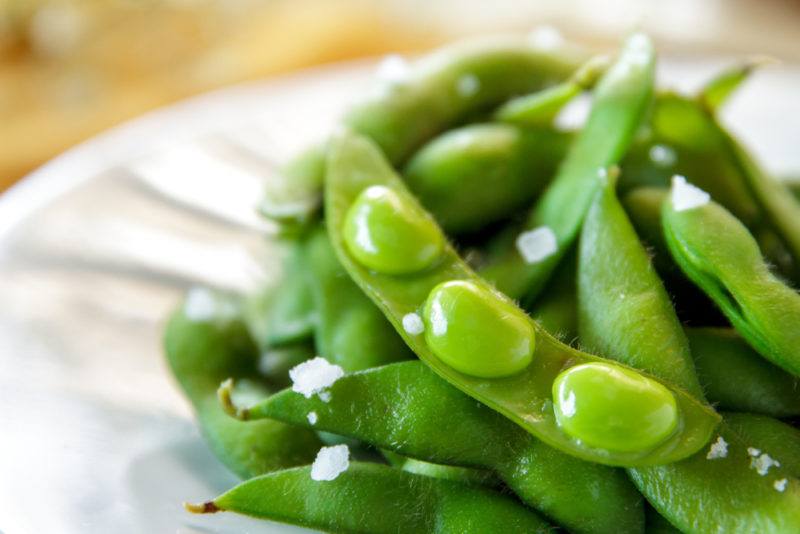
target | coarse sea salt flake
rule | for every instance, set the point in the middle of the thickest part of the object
(762, 463)
(393, 69)
(780, 485)
(537, 244)
(468, 85)
(752, 451)
(412, 324)
(330, 463)
(662, 155)
(314, 376)
(199, 305)
(546, 38)
(718, 449)
(325, 396)
(685, 196)
(312, 418)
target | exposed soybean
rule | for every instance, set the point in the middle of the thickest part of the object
(611, 407)
(389, 234)
(477, 331)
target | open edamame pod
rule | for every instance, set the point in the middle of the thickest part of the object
(406, 408)
(513, 373)
(475, 175)
(206, 341)
(719, 255)
(623, 307)
(373, 499)
(439, 90)
(621, 99)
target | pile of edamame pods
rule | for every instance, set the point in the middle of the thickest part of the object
(487, 323)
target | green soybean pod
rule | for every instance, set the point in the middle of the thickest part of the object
(525, 396)
(556, 309)
(373, 499)
(717, 91)
(352, 332)
(623, 308)
(540, 108)
(206, 341)
(466, 475)
(406, 408)
(727, 488)
(441, 90)
(736, 377)
(291, 316)
(621, 99)
(478, 174)
(718, 254)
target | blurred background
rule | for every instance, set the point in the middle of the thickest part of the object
(71, 68)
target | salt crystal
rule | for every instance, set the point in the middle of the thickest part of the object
(312, 418)
(662, 155)
(546, 38)
(718, 449)
(468, 85)
(412, 324)
(325, 396)
(393, 69)
(330, 463)
(200, 305)
(314, 376)
(762, 463)
(685, 196)
(537, 244)
(780, 485)
(752, 451)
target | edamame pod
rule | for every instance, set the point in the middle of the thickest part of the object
(525, 397)
(623, 308)
(719, 255)
(621, 99)
(475, 175)
(291, 316)
(736, 377)
(541, 108)
(206, 341)
(556, 309)
(440, 90)
(373, 499)
(406, 408)
(352, 332)
(727, 488)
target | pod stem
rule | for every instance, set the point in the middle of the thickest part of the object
(204, 508)
(226, 400)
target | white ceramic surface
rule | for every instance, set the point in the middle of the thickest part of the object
(95, 248)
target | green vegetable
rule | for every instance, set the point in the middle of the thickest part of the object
(613, 408)
(719, 255)
(541, 108)
(477, 331)
(478, 174)
(372, 499)
(406, 408)
(525, 398)
(387, 233)
(206, 342)
(401, 117)
(620, 100)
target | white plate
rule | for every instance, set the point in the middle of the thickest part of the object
(95, 248)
